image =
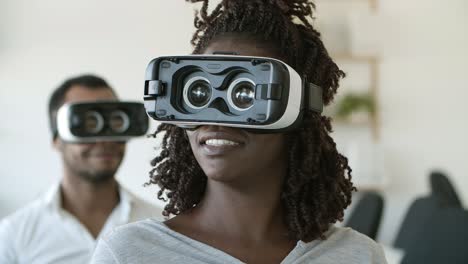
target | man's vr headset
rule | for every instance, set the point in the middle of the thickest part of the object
(101, 121)
(247, 92)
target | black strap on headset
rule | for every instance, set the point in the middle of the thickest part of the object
(312, 96)
(313, 99)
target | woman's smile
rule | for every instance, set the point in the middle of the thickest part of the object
(216, 141)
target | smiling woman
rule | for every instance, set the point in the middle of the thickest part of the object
(242, 196)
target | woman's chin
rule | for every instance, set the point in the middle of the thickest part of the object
(225, 175)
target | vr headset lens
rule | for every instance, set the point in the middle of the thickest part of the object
(197, 92)
(241, 94)
(93, 122)
(119, 121)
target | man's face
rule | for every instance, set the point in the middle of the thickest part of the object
(94, 162)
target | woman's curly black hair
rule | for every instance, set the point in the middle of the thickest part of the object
(318, 186)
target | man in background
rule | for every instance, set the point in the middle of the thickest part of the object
(64, 225)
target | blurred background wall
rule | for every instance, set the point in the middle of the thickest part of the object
(421, 97)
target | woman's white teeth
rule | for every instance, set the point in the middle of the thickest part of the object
(220, 142)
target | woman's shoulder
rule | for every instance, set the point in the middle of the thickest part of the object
(152, 241)
(345, 245)
(138, 242)
(135, 231)
(349, 236)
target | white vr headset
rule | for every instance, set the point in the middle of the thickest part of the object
(101, 121)
(258, 93)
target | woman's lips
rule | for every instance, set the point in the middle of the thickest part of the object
(220, 138)
(219, 143)
(219, 149)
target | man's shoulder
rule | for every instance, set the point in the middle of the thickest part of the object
(140, 203)
(30, 211)
(25, 219)
(141, 209)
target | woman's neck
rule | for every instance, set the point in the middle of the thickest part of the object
(248, 210)
(249, 215)
(243, 218)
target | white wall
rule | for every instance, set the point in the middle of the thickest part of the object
(422, 95)
(423, 99)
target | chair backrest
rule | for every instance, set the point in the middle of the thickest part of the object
(443, 188)
(443, 239)
(443, 196)
(365, 218)
(420, 211)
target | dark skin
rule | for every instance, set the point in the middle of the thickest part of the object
(88, 188)
(241, 212)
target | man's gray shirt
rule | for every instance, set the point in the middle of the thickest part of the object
(150, 241)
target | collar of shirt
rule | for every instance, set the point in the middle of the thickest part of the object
(120, 214)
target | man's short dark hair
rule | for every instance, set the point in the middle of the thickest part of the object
(57, 98)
